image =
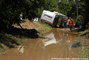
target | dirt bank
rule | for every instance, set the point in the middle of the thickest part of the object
(40, 27)
(16, 36)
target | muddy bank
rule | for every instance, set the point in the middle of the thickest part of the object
(40, 27)
(16, 36)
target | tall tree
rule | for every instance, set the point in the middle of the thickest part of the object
(86, 12)
(51, 5)
(65, 7)
(10, 10)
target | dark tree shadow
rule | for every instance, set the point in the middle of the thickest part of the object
(29, 33)
(77, 30)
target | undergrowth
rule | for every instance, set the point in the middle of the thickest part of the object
(9, 41)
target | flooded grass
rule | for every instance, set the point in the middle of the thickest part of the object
(44, 28)
(85, 48)
(10, 41)
(84, 39)
(85, 52)
(2, 49)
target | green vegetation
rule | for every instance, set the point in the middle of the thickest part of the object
(85, 53)
(80, 20)
(8, 40)
(78, 10)
(10, 10)
(85, 49)
(2, 49)
(66, 7)
(44, 28)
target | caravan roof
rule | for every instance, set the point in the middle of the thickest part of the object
(48, 13)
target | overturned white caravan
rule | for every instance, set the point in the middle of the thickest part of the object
(53, 18)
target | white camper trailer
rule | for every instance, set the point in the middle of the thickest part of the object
(52, 18)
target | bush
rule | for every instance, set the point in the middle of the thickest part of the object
(9, 40)
(80, 20)
(87, 25)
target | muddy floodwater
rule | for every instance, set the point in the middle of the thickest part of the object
(58, 43)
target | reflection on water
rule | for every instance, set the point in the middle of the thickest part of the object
(50, 39)
(53, 37)
(20, 49)
(56, 36)
(60, 42)
(69, 41)
(70, 37)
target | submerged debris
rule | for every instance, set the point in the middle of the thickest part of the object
(78, 44)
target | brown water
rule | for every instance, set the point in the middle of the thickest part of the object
(56, 44)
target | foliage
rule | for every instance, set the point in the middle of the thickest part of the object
(9, 40)
(65, 7)
(85, 52)
(2, 49)
(73, 9)
(44, 28)
(11, 9)
(51, 5)
(80, 20)
(86, 12)
(87, 25)
(9, 12)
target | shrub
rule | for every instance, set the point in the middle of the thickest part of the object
(80, 20)
(9, 40)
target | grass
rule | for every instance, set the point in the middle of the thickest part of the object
(44, 28)
(85, 48)
(85, 52)
(10, 41)
(2, 49)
